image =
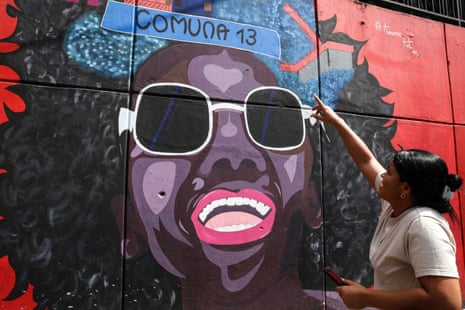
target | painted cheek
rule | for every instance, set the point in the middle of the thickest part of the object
(291, 173)
(290, 166)
(157, 185)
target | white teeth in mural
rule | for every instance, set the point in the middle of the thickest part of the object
(259, 207)
(232, 228)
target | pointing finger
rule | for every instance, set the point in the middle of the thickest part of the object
(318, 100)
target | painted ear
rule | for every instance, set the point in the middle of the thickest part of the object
(312, 210)
(134, 238)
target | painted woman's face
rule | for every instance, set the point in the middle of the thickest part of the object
(219, 170)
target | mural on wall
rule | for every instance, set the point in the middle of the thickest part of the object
(161, 155)
(210, 211)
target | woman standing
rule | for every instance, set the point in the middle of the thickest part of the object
(413, 249)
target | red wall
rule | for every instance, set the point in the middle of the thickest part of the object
(421, 61)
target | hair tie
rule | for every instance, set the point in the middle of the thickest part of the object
(447, 194)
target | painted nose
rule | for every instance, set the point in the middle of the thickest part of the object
(231, 142)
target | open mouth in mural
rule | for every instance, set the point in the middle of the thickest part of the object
(227, 218)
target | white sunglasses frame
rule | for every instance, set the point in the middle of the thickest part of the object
(127, 118)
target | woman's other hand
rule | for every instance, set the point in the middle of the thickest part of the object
(352, 294)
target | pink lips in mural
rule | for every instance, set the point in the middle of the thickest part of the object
(227, 218)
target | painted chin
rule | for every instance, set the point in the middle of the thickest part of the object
(222, 217)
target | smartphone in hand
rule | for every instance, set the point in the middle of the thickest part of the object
(334, 276)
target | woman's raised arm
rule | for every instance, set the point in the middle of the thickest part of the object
(358, 150)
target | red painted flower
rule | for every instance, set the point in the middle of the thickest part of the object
(7, 275)
(8, 99)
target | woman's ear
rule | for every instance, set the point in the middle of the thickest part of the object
(406, 188)
(132, 233)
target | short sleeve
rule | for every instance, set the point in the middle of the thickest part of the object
(431, 248)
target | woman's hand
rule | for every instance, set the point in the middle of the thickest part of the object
(353, 294)
(324, 113)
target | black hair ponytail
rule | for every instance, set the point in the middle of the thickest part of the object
(453, 183)
(427, 175)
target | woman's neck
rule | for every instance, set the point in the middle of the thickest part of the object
(399, 206)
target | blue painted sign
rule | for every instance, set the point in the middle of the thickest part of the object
(126, 18)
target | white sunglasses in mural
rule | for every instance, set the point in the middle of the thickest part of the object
(177, 119)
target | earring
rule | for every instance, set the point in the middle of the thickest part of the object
(403, 196)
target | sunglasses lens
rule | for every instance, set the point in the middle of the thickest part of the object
(172, 119)
(274, 118)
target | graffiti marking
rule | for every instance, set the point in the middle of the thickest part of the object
(407, 42)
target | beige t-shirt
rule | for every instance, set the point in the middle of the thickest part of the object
(417, 243)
